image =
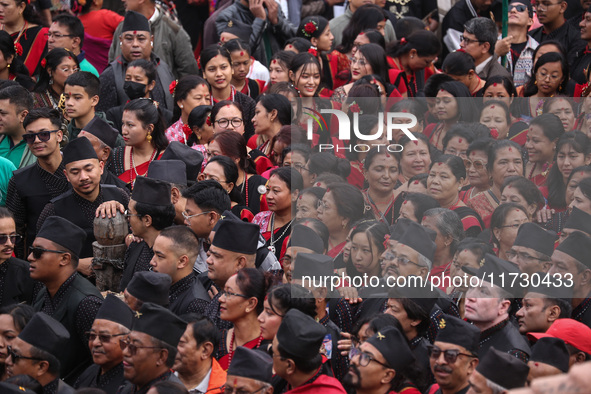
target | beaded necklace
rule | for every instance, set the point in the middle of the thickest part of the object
(231, 350)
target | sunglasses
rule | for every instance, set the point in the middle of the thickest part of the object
(133, 348)
(38, 252)
(450, 355)
(519, 8)
(15, 356)
(104, 338)
(478, 164)
(13, 238)
(42, 135)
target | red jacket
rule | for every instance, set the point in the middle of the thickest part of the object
(324, 384)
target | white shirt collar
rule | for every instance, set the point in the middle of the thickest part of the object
(481, 66)
(154, 16)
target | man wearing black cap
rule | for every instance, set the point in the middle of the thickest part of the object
(104, 140)
(572, 257)
(549, 356)
(251, 371)
(542, 306)
(296, 355)
(112, 323)
(150, 211)
(577, 221)
(487, 306)
(378, 364)
(136, 42)
(579, 70)
(206, 202)
(175, 251)
(302, 240)
(79, 204)
(453, 355)
(498, 372)
(33, 186)
(233, 247)
(34, 352)
(67, 296)
(147, 286)
(532, 249)
(172, 172)
(150, 349)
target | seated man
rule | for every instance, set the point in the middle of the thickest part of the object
(112, 323)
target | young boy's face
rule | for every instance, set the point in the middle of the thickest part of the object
(78, 103)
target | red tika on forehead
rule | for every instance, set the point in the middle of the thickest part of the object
(405, 201)
(134, 32)
(300, 197)
(416, 142)
(404, 111)
(241, 53)
(509, 187)
(495, 84)
(318, 184)
(274, 61)
(327, 190)
(415, 183)
(362, 34)
(460, 140)
(387, 154)
(492, 107)
(228, 105)
(440, 163)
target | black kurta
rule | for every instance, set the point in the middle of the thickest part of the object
(137, 258)
(109, 382)
(188, 296)
(16, 285)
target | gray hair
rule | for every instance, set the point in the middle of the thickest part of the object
(448, 224)
(496, 388)
(485, 30)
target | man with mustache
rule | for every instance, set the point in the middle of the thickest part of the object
(112, 323)
(79, 204)
(378, 364)
(453, 356)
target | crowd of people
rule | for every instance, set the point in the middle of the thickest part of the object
(442, 247)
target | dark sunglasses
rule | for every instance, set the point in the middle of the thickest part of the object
(450, 355)
(42, 135)
(519, 8)
(13, 238)
(38, 252)
(104, 338)
(133, 348)
(15, 356)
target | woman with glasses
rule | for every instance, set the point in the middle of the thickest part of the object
(281, 193)
(190, 91)
(249, 183)
(216, 65)
(503, 160)
(223, 170)
(271, 113)
(504, 224)
(446, 177)
(381, 170)
(57, 66)
(22, 21)
(227, 115)
(241, 302)
(13, 318)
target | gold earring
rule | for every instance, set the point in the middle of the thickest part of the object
(149, 137)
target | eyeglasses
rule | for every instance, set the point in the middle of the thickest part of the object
(38, 252)
(450, 355)
(224, 122)
(544, 6)
(478, 164)
(232, 390)
(361, 62)
(50, 34)
(519, 7)
(133, 348)
(68, 69)
(13, 238)
(468, 40)
(129, 214)
(230, 294)
(550, 77)
(104, 338)
(42, 135)
(364, 357)
(15, 356)
(402, 260)
(522, 255)
(300, 167)
(186, 216)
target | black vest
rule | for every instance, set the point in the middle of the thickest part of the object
(131, 260)
(196, 292)
(18, 285)
(35, 195)
(67, 207)
(75, 357)
(505, 340)
(89, 378)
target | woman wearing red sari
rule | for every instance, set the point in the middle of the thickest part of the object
(544, 132)
(145, 141)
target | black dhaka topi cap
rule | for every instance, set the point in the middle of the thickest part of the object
(313, 265)
(135, 21)
(252, 364)
(420, 239)
(551, 351)
(115, 310)
(398, 229)
(305, 237)
(393, 346)
(579, 220)
(503, 369)
(149, 286)
(171, 171)
(532, 236)
(13, 388)
(45, 333)
(496, 271)
(102, 130)
(239, 29)
(225, 216)
(424, 297)
(160, 323)
(191, 157)
(300, 335)
(151, 191)
(64, 233)
(578, 246)
(78, 149)
(458, 332)
(238, 237)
